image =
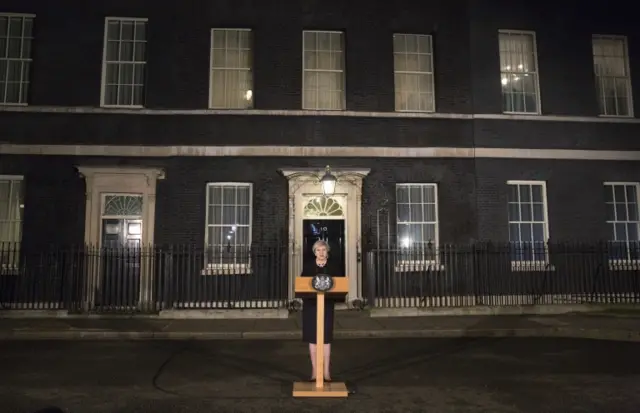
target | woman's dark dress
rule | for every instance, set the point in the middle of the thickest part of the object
(310, 307)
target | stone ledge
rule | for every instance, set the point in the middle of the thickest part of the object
(534, 309)
(559, 332)
(224, 314)
(195, 314)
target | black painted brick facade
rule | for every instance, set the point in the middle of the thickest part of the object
(101, 129)
(113, 129)
(575, 194)
(68, 49)
(563, 38)
(67, 65)
(472, 194)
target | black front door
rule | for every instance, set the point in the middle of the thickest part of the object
(329, 230)
(121, 255)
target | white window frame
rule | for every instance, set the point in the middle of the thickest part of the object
(103, 79)
(627, 67)
(12, 267)
(343, 71)
(533, 265)
(409, 265)
(250, 92)
(219, 268)
(430, 75)
(629, 263)
(29, 60)
(535, 73)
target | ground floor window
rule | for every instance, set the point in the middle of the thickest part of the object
(11, 213)
(528, 221)
(621, 199)
(417, 220)
(228, 221)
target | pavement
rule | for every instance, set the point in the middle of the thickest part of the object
(462, 375)
(348, 324)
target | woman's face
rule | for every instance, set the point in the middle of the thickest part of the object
(321, 252)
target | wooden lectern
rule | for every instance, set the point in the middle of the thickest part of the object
(320, 388)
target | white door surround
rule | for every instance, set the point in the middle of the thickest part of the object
(101, 180)
(119, 180)
(304, 186)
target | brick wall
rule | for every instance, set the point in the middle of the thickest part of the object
(105, 129)
(575, 195)
(472, 194)
(114, 129)
(563, 38)
(184, 210)
(68, 49)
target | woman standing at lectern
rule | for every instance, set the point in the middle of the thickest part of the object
(321, 265)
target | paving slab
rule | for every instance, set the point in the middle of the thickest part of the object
(468, 375)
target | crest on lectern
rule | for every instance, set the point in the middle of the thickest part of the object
(322, 283)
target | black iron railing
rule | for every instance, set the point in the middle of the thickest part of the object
(504, 274)
(156, 278)
(146, 279)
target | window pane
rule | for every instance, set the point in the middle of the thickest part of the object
(404, 213)
(229, 214)
(215, 215)
(243, 215)
(416, 213)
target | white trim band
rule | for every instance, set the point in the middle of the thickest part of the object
(315, 151)
(311, 113)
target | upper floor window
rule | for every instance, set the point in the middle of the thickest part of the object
(519, 72)
(228, 221)
(231, 72)
(323, 77)
(528, 222)
(16, 37)
(413, 72)
(613, 81)
(621, 199)
(124, 62)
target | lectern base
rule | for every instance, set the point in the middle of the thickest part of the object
(309, 389)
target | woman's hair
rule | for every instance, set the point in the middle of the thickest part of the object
(320, 243)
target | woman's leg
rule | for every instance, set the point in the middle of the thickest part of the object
(309, 331)
(312, 355)
(327, 361)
